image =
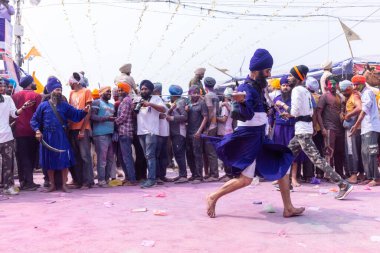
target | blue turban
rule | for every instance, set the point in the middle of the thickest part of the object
(157, 87)
(147, 84)
(343, 85)
(26, 81)
(261, 60)
(52, 84)
(283, 80)
(312, 84)
(209, 82)
(175, 90)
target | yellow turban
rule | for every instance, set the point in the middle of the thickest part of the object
(275, 83)
(95, 94)
(104, 89)
(124, 86)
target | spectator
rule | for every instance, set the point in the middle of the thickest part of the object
(102, 117)
(27, 145)
(148, 111)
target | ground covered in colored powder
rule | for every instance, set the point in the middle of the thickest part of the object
(175, 220)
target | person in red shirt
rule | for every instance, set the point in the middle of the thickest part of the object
(26, 143)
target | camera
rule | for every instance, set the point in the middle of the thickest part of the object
(138, 106)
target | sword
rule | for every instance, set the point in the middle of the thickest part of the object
(51, 148)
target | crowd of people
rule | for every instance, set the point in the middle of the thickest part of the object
(92, 134)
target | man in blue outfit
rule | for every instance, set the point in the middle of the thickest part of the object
(245, 149)
(50, 124)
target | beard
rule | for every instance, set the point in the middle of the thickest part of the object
(261, 80)
(57, 98)
(146, 96)
(285, 95)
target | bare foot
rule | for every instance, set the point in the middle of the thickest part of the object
(51, 188)
(211, 203)
(373, 183)
(275, 182)
(353, 179)
(293, 212)
(65, 189)
(364, 182)
(295, 183)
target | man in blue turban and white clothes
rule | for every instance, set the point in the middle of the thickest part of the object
(247, 149)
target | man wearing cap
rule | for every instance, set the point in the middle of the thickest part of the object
(162, 142)
(353, 142)
(177, 117)
(245, 148)
(80, 133)
(302, 110)
(148, 111)
(125, 76)
(210, 156)
(329, 111)
(102, 117)
(7, 145)
(124, 123)
(26, 143)
(369, 124)
(197, 79)
(327, 69)
(51, 129)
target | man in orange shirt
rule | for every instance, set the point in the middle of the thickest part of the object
(79, 134)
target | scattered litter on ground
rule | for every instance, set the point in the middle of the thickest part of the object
(367, 188)
(148, 243)
(313, 208)
(115, 182)
(334, 190)
(160, 212)
(269, 209)
(139, 210)
(301, 244)
(282, 233)
(323, 191)
(315, 187)
(161, 195)
(51, 202)
(375, 238)
(257, 202)
(108, 204)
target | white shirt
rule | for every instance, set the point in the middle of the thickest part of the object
(7, 109)
(259, 119)
(371, 120)
(164, 127)
(226, 127)
(302, 106)
(148, 121)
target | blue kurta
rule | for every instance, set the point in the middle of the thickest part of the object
(45, 120)
(248, 143)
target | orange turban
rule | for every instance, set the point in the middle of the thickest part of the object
(104, 89)
(358, 79)
(124, 86)
(95, 94)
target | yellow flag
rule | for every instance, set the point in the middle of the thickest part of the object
(40, 87)
(350, 34)
(33, 52)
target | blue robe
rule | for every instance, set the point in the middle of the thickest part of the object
(45, 120)
(248, 143)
